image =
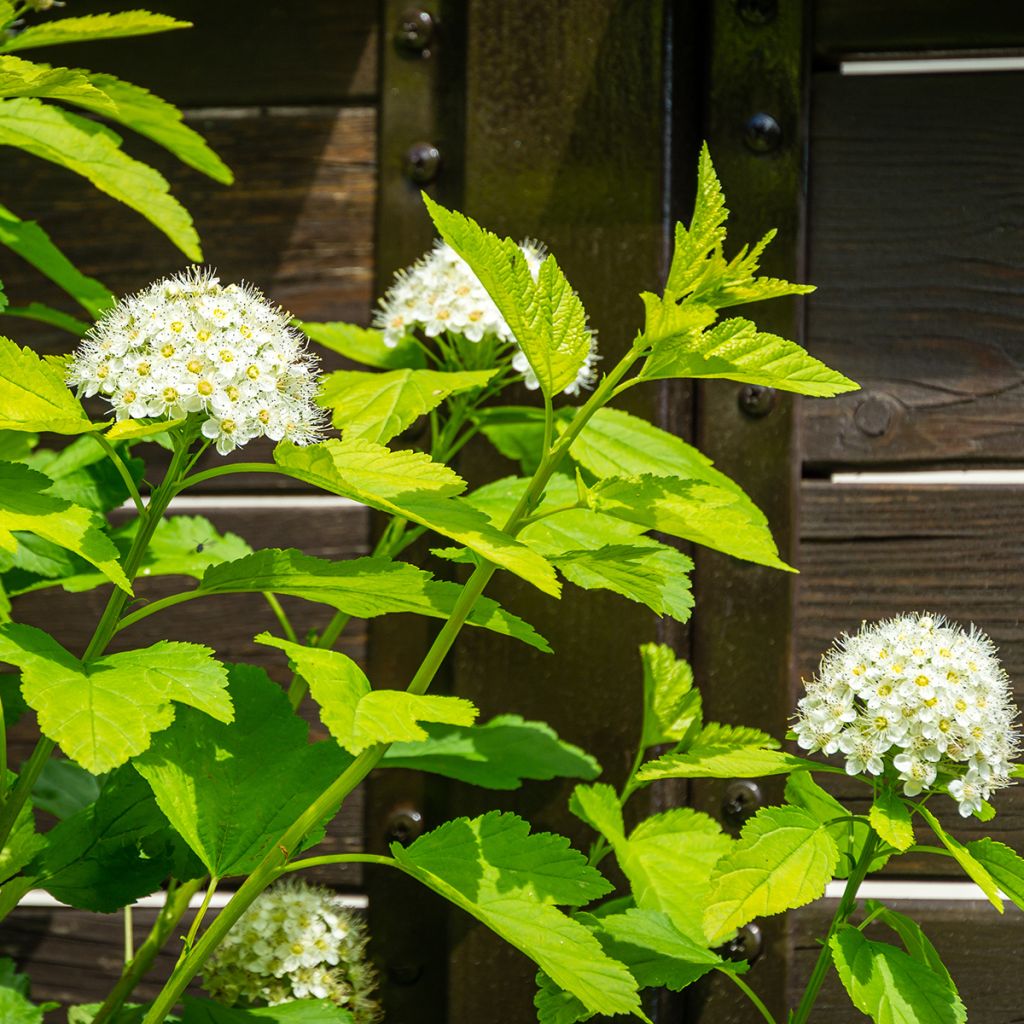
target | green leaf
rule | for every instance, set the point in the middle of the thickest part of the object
(63, 788)
(94, 152)
(365, 345)
(23, 843)
(408, 484)
(297, 1011)
(25, 506)
(736, 350)
(47, 315)
(671, 705)
(914, 940)
(16, 1009)
(188, 546)
(11, 977)
(889, 985)
(20, 77)
(232, 790)
(33, 395)
(891, 820)
(500, 754)
(972, 868)
(724, 762)
(1004, 866)
(692, 510)
(546, 315)
(138, 430)
(498, 499)
(717, 734)
(358, 716)
(104, 712)
(359, 587)
(783, 859)
(516, 431)
(506, 878)
(377, 406)
(599, 806)
(90, 27)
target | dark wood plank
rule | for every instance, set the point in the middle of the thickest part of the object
(915, 218)
(875, 551)
(980, 948)
(240, 53)
(843, 27)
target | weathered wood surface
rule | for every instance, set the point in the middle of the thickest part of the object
(980, 948)
(914, 222)
(240, 53)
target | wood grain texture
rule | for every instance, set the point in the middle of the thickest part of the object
(980, 948)
(240, 53)
(916, 211)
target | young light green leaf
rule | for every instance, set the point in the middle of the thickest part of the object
(44, 314)
(1004, 866)
(24, 842)
(94, 152)
(15, 1008)
(232, 790)
(360, 587)
(671, 705)
(377, 406)
(736, 350)
(104, 712)
(495, 870)
(546, 315)
(139, 430)
(706, 234)
(783, 859)
(598, 805)
(20, 77)
(90, 27)
(717, 734)
(365, 345)
(914, 940)
(972, 868)
(890, 818)
(297, 1011)
(500, 754)
(701, 512)
(889, 985)
(33, 395)
(724, 762)
(358, 716)
(408, 484)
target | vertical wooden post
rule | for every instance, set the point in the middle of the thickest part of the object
(743, 624)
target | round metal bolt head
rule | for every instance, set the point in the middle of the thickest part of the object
(756, 401)
(422, 163)
(757, 12)
(762, 134)
(741, 801)
(415, 31)
(748, 944)
(404, 824)
(873, 416)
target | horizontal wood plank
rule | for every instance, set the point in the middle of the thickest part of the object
(916, 206)
(240, 52)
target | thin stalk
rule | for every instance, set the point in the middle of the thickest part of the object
(842, 914)
(198, 919)
(337, 858)
(282, 617)
(749, 993)
(129, 935)
(3, 754)
(122, 471)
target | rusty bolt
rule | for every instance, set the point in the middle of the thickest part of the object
(422, 162)
(762, 133)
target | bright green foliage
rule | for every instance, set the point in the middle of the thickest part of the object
(890, 986)
(104, 712)
(47, 315)
(83, 475)
(111, 852)
(91, 27)
(510, 880)
(736, 350)
(723, 762)
(546, 315)
(914, 940)
(963, 856)
(377, 406)
(500, 754)
(598, 805)
(22, 844)
(360, 587)
(20, 77)
(671, 704)
(139, 430)
(189, 546)
(33, 395)
(299, 1011)
(783, 859)
(516, 431)
(1004, 866)
(691, 510)
(365, 345)
(63, 788)
(16, 1009)
(717, 734)
(409, 485)
(231, 790)
(25, 507)
(94, 152)
(358, 716)
(891, 820)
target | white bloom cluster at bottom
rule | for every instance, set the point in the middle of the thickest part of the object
(296, 941)
(920, 698)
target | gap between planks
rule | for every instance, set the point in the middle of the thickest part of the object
(313, 502)
(41, 898)
(932, 477)
(919, 891)
(931, 66)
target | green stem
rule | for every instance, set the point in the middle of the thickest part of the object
(749, 993)
(282, 618)
(129, 935)
(122, 471)
(198, 919)
(3, 754)
(337, 858)
(842, 914)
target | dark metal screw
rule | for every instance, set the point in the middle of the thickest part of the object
(405, 974)
(403, 825)
(415, 31)
(873, 416)
(757, 12)
(422, 162)
(756, 401)
(741, 801)
(762, 133)
(748, 944)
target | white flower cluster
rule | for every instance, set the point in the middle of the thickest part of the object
(296, 941)
(919, 695)
(188, 345)
(439, 294)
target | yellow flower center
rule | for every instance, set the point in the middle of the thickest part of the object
(945, 725)
(264, 416)
(219, 313)
(227, 426)
(232, 392)
(205, 388)
(177, 326)
(170, 395)
(194, 366)
(245, 331)
(203, 335)
(226, 355)
(253, 372)
(128, 396)
(142, 369)
(921, 681)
